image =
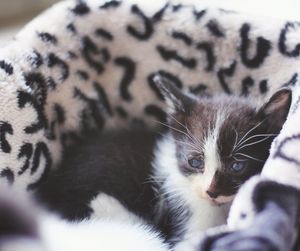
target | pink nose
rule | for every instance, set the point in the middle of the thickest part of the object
(212, 195)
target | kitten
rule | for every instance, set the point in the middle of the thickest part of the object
(212, 146)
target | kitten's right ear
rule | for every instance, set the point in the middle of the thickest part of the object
(176, 99)
(275, 111)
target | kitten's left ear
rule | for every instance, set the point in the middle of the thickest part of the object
(177, 100)
(275, 111)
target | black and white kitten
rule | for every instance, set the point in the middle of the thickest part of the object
(180, 181)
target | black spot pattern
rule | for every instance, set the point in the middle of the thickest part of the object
(207, 48)
(41, 151)
(105, 55)
(36, 82)
(25, 152)
(47, 37)
(121, 112)
(169, 54)
(155, 111)
(35, 59)
(89, 51)
(282, 45)
(159, 14)
(93, 106)
(8, 174)
(263, 48)
(198, 89)
(81, 9)
(26, 98)
(183, 37)
(129, 67)
(51, 84)
(60, 113)
(102, 97)
(71, 27)
(199, 14)
(247, 83)
(5, 128)
(7, 67)
(263, 86)
(292, 81)
(226, 72)
(54, 61)
(281, 154)
(148, 27)
(215, 28)
(104, 34)
(83, 75)
(172, 78)
(72, 55)
(177, 7)
(110, 4)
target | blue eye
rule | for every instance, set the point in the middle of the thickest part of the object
(196, 163)
(238, 166)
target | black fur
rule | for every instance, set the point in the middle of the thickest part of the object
(115, 163)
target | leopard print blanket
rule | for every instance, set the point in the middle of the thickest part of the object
(90, 64)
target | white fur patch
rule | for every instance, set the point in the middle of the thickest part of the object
(204, 214)
(105, 206)
(108, 235)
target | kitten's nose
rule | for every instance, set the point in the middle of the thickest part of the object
(212, 195)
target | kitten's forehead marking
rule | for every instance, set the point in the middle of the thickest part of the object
(211, 152)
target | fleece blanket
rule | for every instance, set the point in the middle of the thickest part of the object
(90, 64)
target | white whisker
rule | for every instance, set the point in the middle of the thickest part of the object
(247, 133)
(250, 157)
(253, 143)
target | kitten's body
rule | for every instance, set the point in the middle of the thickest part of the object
(211, 148)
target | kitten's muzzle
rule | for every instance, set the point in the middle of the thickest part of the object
(212, 195)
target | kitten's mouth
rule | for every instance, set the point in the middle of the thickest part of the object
(216, 203)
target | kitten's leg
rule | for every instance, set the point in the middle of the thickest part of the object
(105, 206)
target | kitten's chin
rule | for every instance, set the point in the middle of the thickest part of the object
(220, 201)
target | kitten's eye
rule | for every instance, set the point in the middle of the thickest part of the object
(238, 166)
(196, 163)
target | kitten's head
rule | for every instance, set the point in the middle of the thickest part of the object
(221, 141)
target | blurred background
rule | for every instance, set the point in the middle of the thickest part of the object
(15, 13)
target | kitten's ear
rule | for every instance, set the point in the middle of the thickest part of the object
(176, 99)
(275, 111)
